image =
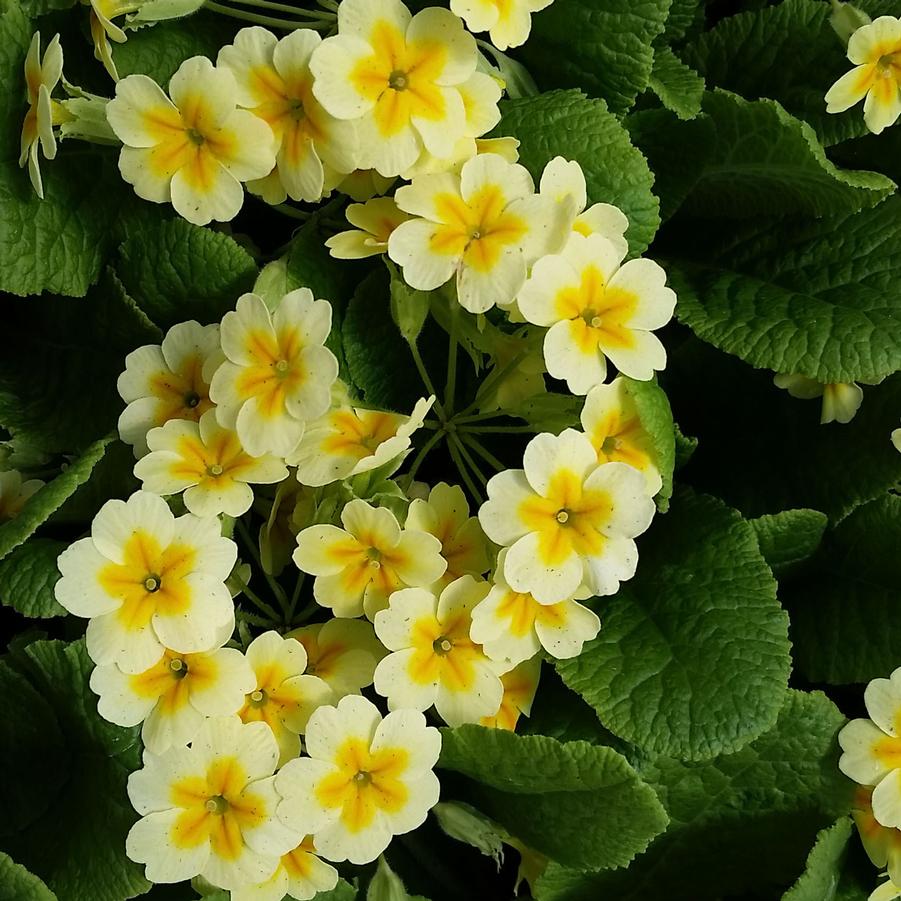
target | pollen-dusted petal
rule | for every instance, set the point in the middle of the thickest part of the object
(499, 515)
(149, 842)
(490, 277)
(528, 569)
(547, 455)
(250, 60)
(204, 191)
(141, 115)
(875, 39)
(412, 246)
(645, 280)
(883, 103)
(433, 27)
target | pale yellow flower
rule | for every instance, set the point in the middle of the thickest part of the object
(42, 74)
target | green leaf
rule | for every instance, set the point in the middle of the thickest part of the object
(693, 656)
(175, 271)
(568, 124)
(763, 451)
(656, 419)
(845, 614)
(738, 823)
(790, 536)
(17, 884)
(50, 498)
(549, 411)
(613, 54)
(386, 885)
(816, 298)
(76, 842)
(28, 576)
(548, 794)
(820, 879)
(685, 16)
(686, 445)
(343, 891)
(786, 52)
(678, 86)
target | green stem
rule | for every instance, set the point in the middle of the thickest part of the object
(268, 609)
(286, 8)
(483, 452)
(253, 619)
(258, 19)
(451, 386)
(287, 210)
(494, 380)
(426, 379)
(251, 546)
(480, 417)
(467, 457)
(295, 597)
(464, 472)
(497, 429)
(423, 453)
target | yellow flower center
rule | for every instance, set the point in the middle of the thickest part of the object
(215, 470)
(178, 668)
(611, 444)
(153, 583)
(194, 136)
(562, 517)
(216, 805)
(398, 80)
(442, 645)
(375, 557)
(281, 367)
(192, 399)
(258, 698)
(363, 778)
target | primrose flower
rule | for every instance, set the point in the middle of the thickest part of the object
(875, 50)
(434, 660)
(375, 220)
(513, 626)
(564, 181)
(366, 779)
(174, 696)
(568, 521)
(14, 493)
(104, 30)
(300, 875)
(277, 374)
(883, 846)
(872, 748)
(341, 652)
(611, 422)
(445, 514)
(193, 150)
(358, 567)
(486, 225)
(397, 77)
(520, 685)
(351, 440)
(149, 582)
(208, 463)
(315, 150)
(841, 400)
(508, 22)
(283, 697)
(165, 381)
(42, 74)
(597, 310)
(209, 810)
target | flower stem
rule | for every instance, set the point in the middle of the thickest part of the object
(464, 472)
(483, 452)
(497, 429)
(271, 21)
(268, 609)
(470, 461)
(426, 379)
(423, 453)
(493, 381)
(451, 386)
(251, 546)
(292, 211)
(322, 16)
(295, 597)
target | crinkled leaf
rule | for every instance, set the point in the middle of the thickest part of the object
(28, 576)
(686, 445)
(568, 124)
(685, 17)
(822, 872)
(693, 656)
(612, 55)
(739, 823)
(678, 86)
(656, 419)
(17, 884)
(790, 536)
(548, 794)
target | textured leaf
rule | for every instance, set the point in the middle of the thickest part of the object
(790, 536)
(693, 657)
(846, 621)
(568, 124)
(678, 86)
(76, 844)
(612, 57)
(17, 884)
(177, 271)
(548, 794)
(657, 420)
(28, 576)
(817, 298)
(820, 879)
(740, 822)
(44, 502)
(685, 16)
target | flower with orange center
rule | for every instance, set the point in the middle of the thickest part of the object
(445, 514)
(596, 310)
(149, 582)
(512, 626)
(283, 696)
(611, 422)
(315, 150)
(366, 779)
(277, 374)
(567, 520)
(520, 685)
(350, 440)
(875, 50)
(14, 492)
(174, 696)
(342, 652)
(208, 463)
(486, 226)
(508, 22)
(358, 567)
(193, 150)
(872, 748)
(883, 846)
(434, 661)
(375, 220)
(396, 76)
(300, 875)
(42, 74)
(165, 381)
(209, 810)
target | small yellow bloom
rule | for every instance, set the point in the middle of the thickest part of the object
(195, 149)
(520, 685)
(434, 659)
(351, 440)
(14, 493)
(166, 381)
(300, 875)
(358, 567)
(315, 150)
(508, 22)
(366, 780)
(875, 50)
(841, 400)
(208, 463)
(41, 77)
(375, 220)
